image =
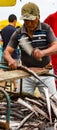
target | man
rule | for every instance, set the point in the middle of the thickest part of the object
(6, 34)
(52, 21)
(41, 37)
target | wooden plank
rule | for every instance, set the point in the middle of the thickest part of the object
(17, 74)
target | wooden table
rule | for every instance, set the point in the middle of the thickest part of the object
(6, 76)
(18, 74)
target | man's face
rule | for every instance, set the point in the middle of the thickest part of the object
(31, 24)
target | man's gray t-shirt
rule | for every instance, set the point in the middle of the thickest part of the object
(42, 38)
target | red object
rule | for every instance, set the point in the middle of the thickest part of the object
(52, 21)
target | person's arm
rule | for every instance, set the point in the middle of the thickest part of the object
(46, 52)
(7, 56)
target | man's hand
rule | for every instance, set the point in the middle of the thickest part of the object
(38, 54)
(13, 64)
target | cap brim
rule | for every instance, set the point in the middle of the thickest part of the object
(28, 17)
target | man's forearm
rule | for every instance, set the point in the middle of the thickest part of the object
(7, 56)
(51, 50)
(11, 62)
(38, 54)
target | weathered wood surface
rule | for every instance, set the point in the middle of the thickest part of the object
(18, 74)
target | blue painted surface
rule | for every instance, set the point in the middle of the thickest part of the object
(0, 52)
(8, 105)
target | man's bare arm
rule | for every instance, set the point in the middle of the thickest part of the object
(7, 56)
(46, 52)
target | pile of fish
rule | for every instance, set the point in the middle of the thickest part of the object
(29, 113)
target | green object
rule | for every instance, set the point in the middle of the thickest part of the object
(4, 67)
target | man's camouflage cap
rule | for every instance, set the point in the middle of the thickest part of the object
(30, 11)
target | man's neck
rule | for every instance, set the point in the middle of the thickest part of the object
(11, 24)
(30, 33)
